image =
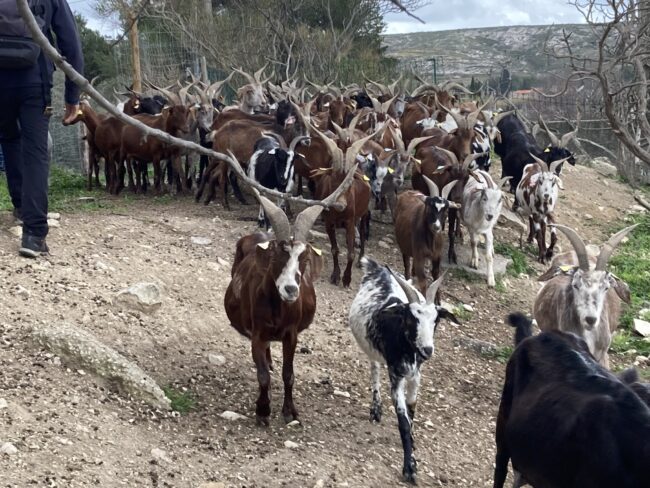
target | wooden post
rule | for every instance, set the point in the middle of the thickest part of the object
(204, 70)
(135, 52)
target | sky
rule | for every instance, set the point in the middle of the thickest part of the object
(439, 15)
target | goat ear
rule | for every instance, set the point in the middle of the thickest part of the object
(315, 262)
(551, 273)
(263, 252)
(443, 313)
(621, 288)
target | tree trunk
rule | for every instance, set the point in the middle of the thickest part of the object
(135, 53)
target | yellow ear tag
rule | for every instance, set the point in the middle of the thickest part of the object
(547, 150)
(417, 161)
(263, 245)
(366, 178)
(391, 170)
(80, 112)
(316, 250)
(566, 268)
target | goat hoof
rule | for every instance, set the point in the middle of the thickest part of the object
(334, 279)
(262, 421)
(409, 471)
(290, 415)
(549, 254)
(375, 413)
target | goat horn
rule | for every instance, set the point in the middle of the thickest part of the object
(409, 291)
(386, 105)
(461, 122)
(503, 181)
(355, 120)
(297, 140)
(376, 106)
(541, 162)
(447, 189)
(202, 95)
(332, 148)
(414, 143)
(553, 166)
(610, 246)
(554, 140)
(305, 221)
(345, 184)
(399, 142)
(351, 91)
(171, 96)
(470, 158)
(250, 79)
(299, 114)
(451, 155)
(94, 80)
(578, 245)
(434, 191)
(353, 150)
(498, 117)
(182, 93)
(458, 86)
(341, 133)
(258, 74)
(473, 117)
(566, 138)
(215, 88)
(432, 291)
(392, 86)
(276, 216)
(121, 94)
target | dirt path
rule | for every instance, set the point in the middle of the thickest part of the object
(73, 431)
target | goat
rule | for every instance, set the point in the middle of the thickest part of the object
(394, 324)
(108, 140)
(481, 207)
(271, 296)
(355, 217)
(518, 146)
(419, 223)
(582, 300)
(251, 96)
(565, 421)
(272, 166)
(537, 195)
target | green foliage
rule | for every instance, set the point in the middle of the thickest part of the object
(465, 275)
(462, 313)
(501, 354)
(181, 401)
(519, 261)
(98, 59)
(631, 263)
(624, 341)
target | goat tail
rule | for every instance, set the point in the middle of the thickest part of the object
(522, 324)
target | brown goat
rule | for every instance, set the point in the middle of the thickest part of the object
(419, 223)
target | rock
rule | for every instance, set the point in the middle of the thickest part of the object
(464, 257)
(319, 484)
(642, 327)
(201, 241)
(3, 403)
(144, 297)
(478, 346)
(291, 445)
(314, 234)
(467, 307)
(53, 224)
(229, 415)
(8, 448)
(84, 350)
(384, 245)
(213, 266)
(17, 231)
(343, 394)
(603, 166)
(213, 484)
(160, 455)
(588, 216)
(21, 291)
(53, 216)
(638, 208)
(86, 199)
(216, 359)
(101, 266)
(428, 423)
(223, 262)
(447, 306)
(641, 361)
(293, 423)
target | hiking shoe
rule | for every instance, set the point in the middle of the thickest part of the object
(32, 246)
(17, 214)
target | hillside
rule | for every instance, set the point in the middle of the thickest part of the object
(477, 51)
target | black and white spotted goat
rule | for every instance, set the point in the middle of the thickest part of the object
(394, 324)
(272, 165)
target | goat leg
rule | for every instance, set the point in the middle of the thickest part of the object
(397, 387)
(330, 228)
(350, 232)
(235, 188)
(364, 227)
(489, 258)
(375, 378)
(551, 248)
(451, 254)
(289, 343)
(263, 408)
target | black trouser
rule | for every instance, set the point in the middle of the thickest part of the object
(23, 135)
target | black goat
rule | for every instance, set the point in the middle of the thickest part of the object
(517, 145)
(565, 421)
(272, 166)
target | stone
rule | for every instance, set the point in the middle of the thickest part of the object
(291, 445)
(3, 403)
(641, 361)
(467, 307)
(201, 241)
(430, 424)
(144, 297)
(213, 484)
(384, 245)
(100, 266)
(588, 216)
(343, 394)
(293, 423)
(84, 350)
(53, 216)
(638, 208)
(314, 234)
(604, 166)
(8, 448)
(229, 415)
(16, 231)
(320, 484)
(53, 224)
(213, 266)
(464, 255)
(160, 455)
(642, 327)
(222, 262)
(476, 345)
(216, 359)
(22, 292)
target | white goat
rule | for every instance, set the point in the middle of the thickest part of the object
(482, 202)
(581, 300)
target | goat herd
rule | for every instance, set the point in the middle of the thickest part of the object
(564, 419)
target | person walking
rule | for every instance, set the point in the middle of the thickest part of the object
(25, 86)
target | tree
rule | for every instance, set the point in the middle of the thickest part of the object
(98, 59)
(619, 67)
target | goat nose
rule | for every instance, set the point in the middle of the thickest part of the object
(427, 352)
(590, 320)
(489, 217)
(291, 289)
